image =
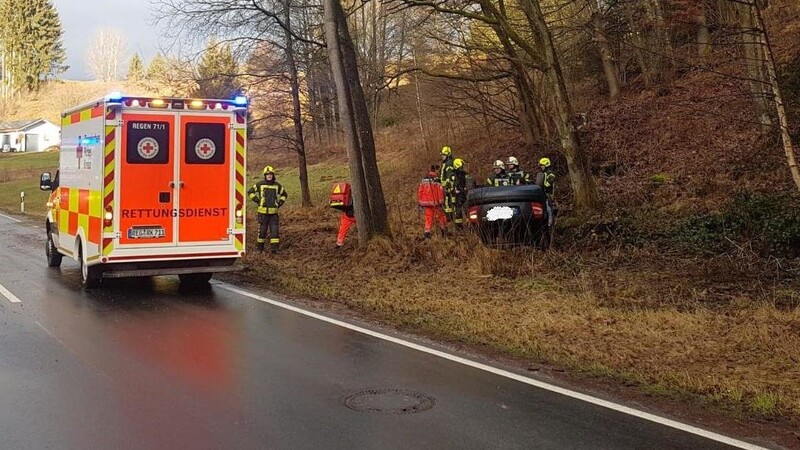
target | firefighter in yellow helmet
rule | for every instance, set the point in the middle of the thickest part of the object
(461, 188)
(499, 177)
(516, 175)
(447, 176)
(546, 179)
(269, 195)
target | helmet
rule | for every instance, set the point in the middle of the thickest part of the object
(458, 163)
(512, 161)
(446, 151)
(499, 164)
(544, 162)
(269, 169)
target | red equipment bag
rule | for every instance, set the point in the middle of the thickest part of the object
(340, 196)
(430, 193)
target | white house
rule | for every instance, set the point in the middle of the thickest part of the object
(34, 135)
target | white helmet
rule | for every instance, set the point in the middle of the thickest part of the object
(512, 161)
(499, 165)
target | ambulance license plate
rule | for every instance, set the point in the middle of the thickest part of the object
(146, 232)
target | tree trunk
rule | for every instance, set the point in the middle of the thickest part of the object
(769, 57)
(297, 118)
(606, 55)
(639, 44)
(583, 186)
(754, 59)
(531, 123)
(363, 126)
(703, 32)
(422, 131)
(661, 47)
(331, 11)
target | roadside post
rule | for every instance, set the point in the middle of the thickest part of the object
(22, 202)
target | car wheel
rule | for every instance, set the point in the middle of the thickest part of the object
(90, 275)
(195, 279)
(53, 256)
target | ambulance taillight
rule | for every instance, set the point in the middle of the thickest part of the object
(239, 214)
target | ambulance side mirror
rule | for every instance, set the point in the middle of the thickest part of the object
(46, 182)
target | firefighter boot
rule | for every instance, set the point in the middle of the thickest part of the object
(260, 247)
(273, 248)
(427, 235)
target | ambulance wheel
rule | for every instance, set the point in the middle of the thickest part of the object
(195, 279)
(53, 257)
(90, 275)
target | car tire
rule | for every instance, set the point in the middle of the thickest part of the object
(195, 279)
(91, 276)
(53, 256)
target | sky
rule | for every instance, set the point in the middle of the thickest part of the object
(82, 19)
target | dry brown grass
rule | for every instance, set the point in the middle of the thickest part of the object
(722, 329)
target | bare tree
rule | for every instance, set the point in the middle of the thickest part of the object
(106, 54)
(370, 205)
(777, 96)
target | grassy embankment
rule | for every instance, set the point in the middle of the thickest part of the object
(20, 173)
(721, 330)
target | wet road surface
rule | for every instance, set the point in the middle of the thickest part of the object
(142, 365)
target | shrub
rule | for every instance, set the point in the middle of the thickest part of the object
(768, 222)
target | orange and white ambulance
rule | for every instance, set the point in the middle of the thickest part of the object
(149, 186)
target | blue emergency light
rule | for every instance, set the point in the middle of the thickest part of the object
(240, 100)
(114, 97)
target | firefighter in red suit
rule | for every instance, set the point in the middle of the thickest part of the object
(348, 220)
(431, 201)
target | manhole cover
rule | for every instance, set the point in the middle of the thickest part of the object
(390, 401)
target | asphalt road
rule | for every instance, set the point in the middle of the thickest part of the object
(142, 365)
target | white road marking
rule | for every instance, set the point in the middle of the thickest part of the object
(504, 373)
(467, 362)
(7, 294)
(10, 218)
(64, 344)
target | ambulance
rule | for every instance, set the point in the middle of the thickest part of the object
(149, 186)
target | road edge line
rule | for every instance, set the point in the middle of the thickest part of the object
(13, 219)
(7, 294)
(503, 373)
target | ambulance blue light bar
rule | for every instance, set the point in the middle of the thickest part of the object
(114, 97)
(240, 100)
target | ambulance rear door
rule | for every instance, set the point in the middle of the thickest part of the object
(205, 173)
(146, 179)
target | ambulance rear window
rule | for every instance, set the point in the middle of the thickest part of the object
(205, 143)
(148, 142)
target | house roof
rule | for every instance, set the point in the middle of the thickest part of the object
(20, 125)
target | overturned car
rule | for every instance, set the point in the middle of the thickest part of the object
(510, 215)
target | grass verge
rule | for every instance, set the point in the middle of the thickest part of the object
(20, 173)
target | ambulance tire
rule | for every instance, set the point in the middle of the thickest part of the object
(195, 279)
(90, 275)
(53, 257)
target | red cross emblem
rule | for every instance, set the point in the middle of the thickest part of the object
(205, 148)
(147, 148)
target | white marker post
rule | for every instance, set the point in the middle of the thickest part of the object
(22, 202)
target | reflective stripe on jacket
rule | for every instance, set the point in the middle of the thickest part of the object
(268, 196)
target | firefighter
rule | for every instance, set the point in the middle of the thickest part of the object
(347, 220)
(432, 205)
(447, 177)
(499, 176)
(461, 188)
(516, 175)
(546, 179)
(269, 195)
